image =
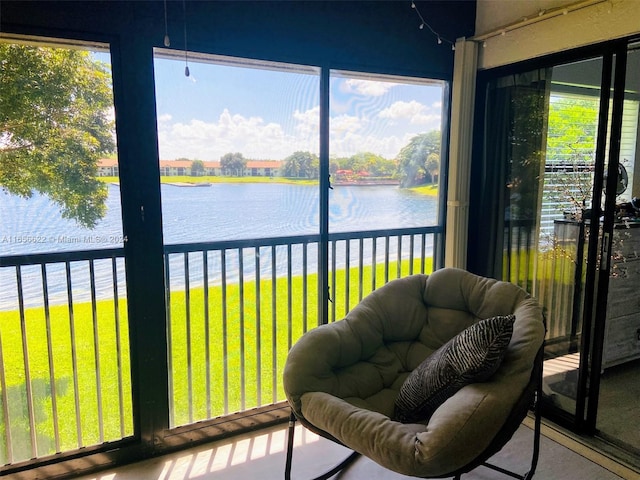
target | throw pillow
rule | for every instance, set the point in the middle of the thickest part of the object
(472, 356)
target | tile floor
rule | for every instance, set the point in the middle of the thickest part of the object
(261, 456)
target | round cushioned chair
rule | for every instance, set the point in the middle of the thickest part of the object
(342, 379)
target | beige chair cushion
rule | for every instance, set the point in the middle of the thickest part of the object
(343, 378)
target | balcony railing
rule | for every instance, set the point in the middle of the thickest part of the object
(234, 308)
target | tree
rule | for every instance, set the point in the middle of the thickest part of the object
(233, 164)
(301, 165)
(375, 165)
(55, 124)
(412, 159)
(197, 168)
(432, 166)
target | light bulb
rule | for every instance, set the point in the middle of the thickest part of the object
(166, 41)
(421, 26)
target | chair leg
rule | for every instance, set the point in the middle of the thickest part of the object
(537, 412)
(325, 476)
(290, 432)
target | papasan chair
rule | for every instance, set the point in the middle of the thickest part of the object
(428, 376)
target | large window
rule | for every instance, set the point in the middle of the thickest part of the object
(64, 344)
(241, 170)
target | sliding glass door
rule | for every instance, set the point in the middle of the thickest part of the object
(279, 214)
(239, 171)
(556, 214)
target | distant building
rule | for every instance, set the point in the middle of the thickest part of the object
(108, 167)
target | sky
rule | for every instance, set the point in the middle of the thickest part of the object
(269, 114)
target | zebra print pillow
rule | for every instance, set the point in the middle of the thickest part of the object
(471, 356)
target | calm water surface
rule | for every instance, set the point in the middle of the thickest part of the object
(199, 214)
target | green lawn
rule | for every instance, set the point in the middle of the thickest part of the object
(256, 342)
(431, 190)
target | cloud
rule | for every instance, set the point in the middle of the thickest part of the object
(415, 113)
(252, 136)
(368, 87)
(403, 110)
(257, 139)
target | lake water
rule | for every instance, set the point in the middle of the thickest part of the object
(225, 211)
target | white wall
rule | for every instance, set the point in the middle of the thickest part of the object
(605, 20)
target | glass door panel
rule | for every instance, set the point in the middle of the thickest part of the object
(239, 174)
(65, 380)
(385, 158)
(545, 133)
(573, 159)
(620, 379)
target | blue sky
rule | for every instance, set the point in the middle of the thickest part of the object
(269, 114)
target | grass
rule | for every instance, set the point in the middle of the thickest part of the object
(220, 179)
(431, 189)
(248, 348)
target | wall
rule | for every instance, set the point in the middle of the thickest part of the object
(604, 20)
(377, 36)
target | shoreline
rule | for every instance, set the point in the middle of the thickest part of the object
(206, 181)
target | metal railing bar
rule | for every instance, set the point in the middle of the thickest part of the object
(277, 241)
(423, 250)
(305, 301)
(187, 308)
(258, 329)
(207, 341)
(386, 259)
(52, 375)
(347, 275)
(374, 258)
(116, 316)
(167, 294)
(59, 257)
(274, 325)
(243, 366)
(225, 332)
(74, 354)
(360, 269)
(239, 244)
(27, 369)
(411, 247)
(333, 280)
(384, 233)
(289, 300)
(5, 409)
(96, 348)
(399, 257)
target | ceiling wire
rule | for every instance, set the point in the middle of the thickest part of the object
(423, 23)
(167, 42)
(186, 60)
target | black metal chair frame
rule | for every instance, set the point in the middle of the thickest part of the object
(532, 392)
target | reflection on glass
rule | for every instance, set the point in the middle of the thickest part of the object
(246, 134)
(385, 147)
(620, 385)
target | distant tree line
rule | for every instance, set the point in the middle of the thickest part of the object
(417, 163)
